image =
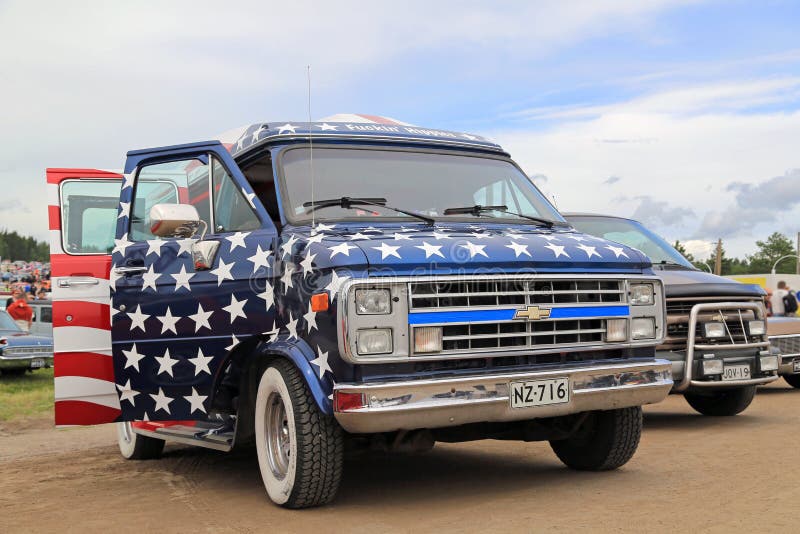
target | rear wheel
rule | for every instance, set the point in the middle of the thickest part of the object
(13, 372)
(606, 440)
(300, 449)
(792, 380)
(133, 446)
(722, 403)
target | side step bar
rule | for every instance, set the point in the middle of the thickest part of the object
(215, 435)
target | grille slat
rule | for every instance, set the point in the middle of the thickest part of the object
(787, 345)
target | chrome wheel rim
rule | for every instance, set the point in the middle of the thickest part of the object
(279, 444)
(127, 432)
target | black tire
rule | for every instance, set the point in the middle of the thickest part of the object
(300, 449)
(133, 446)
(723, 402)
(606, 440)
(793, 380)
(13, 372)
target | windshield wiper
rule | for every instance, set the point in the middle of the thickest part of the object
(349, 203)
(477, 210)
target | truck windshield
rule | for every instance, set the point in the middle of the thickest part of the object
(632, 234)
(426, 183)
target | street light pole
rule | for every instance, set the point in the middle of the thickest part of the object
(774, 265)
(797, 268)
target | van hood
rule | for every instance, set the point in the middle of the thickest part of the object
(394, 250)
(691, 283)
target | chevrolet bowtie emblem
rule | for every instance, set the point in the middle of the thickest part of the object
(533, 313)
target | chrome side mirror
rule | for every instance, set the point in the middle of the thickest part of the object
(174, 220)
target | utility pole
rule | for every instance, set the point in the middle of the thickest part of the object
(797, 259)
(718, 262)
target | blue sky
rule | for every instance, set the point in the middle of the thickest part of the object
(682, 113)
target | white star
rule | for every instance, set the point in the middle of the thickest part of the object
(185, 245)
(149, 279)
(201, 318)
(168, 322)
(511, 234)
(291, 326)
(113, 276)
(321, 361)
(342, 248)
(480, 235)
(358, 235)
(287, 247)
(469, 137)
(401, 237)
(233, 344)
(126, 393)
(201, 362)
(288, 271)
(182, 278)
(578, 238)
(286, 128)
(121, 244)
(315, 238)
(519, 249)
(618, 251)
(257, 133)
(268, 295)
(260, 258)
(162, 401)
(558, 250)
(124, 210)
(327, 127)
(311, 319)
(307, 263)
(154, 247)
(590, 251)
(550, 237)
(196, 401)
(333, 287)
(373, 230)
(274, 333)
(474, 249)
(236, 308)
(237, 240)
(430, 250)
(324, 227)
(223, 272)
(132, 357)
(166, 363)
(439, 235)
(250, 198)
(240, 142)
(387, 250)
(127, 180)
(138, 318)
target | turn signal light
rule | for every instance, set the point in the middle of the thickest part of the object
(346, 402)
(319, 302)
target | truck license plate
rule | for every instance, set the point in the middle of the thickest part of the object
(736, 372)
(525, 394)
(796, 366)
(36, 363)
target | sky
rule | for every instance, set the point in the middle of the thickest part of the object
(682, 114)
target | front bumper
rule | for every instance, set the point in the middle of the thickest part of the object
(436, 403)
(26, 361)
(678, 361)
(788, 348)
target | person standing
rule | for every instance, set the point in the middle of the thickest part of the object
(783, 303)
(20, 311)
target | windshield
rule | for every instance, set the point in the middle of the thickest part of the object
(630, 233)
(425, 183)
(6, 322)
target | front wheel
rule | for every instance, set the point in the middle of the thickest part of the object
(793, 380)
(605, 440)
(300, 449)
(134, 446)
(722, 403)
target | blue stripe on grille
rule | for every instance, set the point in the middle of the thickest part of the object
(507, 314)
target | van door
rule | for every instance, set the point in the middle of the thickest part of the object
(83, 210)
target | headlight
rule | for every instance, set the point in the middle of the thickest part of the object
(643, 328)
(714, 330)
(427, 339)
(616, 330)
(712, 367)
(757, 328)
(642, 294)
(374, 341)
(373, 301)
(769, 363)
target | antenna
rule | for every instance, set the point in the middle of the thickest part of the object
(311, 149)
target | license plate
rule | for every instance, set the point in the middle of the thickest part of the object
(36, 363)
(539, 392)
(736, 372)
(796, 366)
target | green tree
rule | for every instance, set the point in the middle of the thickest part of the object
(682, 249)
(776, 246)
(16, 247)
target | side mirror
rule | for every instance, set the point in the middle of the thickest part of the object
(174, 220)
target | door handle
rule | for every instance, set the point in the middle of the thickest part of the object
(136, 269)
(70, 282)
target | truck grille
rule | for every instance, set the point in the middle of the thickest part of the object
(678, 311)
(787, 345)
(517, 335)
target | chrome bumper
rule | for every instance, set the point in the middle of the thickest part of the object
(436, 403)
(679, 372)
(24, 361)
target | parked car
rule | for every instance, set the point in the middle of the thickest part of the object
(784, 336)
(21, 351)
(716, 333)
(412, 286)
(42, 322)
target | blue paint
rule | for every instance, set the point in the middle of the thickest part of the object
(507, 314)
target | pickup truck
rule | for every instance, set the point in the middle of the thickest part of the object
(307, 286)
(716, 327)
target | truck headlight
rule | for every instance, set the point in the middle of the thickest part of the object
(768, 363)
(642, 294)
(712, 367)
(374, 341)
(616, 330)
(643, 328)
(373, 301)
(714, 330)
(757, 328)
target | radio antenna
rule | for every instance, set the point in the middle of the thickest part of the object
(311, 149)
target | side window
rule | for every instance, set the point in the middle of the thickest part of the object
(46, 314)
(89, 215)
(232, 211)
(184, 182)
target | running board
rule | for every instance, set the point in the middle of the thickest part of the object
(211, 435)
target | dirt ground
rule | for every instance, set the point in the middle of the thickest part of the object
(690, 473)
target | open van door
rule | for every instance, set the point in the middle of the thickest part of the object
(82, 209)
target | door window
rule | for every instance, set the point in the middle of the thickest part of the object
(232, 211)
(89, 215)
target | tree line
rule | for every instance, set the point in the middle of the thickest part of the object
(767, 253)
(16, 247)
